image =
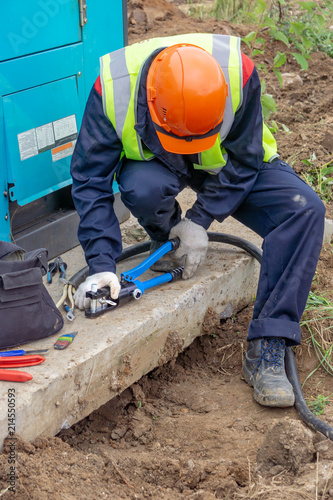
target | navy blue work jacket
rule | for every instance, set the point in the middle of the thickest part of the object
(96, 160)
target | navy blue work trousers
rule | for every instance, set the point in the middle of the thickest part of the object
(281, 208)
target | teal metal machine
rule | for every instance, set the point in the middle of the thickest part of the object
(49, 60)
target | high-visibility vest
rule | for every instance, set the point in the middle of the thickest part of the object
(120, 80)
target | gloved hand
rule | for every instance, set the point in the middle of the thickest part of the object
(100, 279)
(193, 244)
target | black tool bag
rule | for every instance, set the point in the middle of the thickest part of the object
(27, 311)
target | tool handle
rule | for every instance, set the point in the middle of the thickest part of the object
(17, 352)
(52, 269)
(62, 270)
(19, 361)
(134, 273)
(15, 376)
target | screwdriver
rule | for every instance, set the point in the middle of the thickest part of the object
(21, 352)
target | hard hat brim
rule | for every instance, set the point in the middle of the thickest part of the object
(179, 145)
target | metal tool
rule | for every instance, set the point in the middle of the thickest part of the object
(18, 362)
(57, 265)
(21, 352)
(130, 286)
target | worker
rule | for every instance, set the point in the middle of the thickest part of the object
(184, 111)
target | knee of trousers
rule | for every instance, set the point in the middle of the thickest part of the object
(314, 208)
(310, 218)
(144, 199)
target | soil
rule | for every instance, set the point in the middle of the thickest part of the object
(190, 428)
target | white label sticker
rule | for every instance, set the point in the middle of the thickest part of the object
(45, 136)
(27, 144)
(65, 127)
(52, 136)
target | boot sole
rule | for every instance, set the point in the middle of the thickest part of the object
(272, 401)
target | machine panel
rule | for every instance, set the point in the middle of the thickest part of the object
(41, 127)
(49, 60)
(36, 25)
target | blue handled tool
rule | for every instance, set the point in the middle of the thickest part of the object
(57, 265)
(130, 286)
(21, 352)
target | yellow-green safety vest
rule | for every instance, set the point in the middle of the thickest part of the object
(120, 79)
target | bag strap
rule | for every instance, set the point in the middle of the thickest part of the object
(39, 257)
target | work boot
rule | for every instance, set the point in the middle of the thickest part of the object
(166, 263)
(264, 370)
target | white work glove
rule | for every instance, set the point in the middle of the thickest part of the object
(100, 279)
(193, 244)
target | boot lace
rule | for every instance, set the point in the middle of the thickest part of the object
(272, 351)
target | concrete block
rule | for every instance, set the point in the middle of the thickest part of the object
(328, 231)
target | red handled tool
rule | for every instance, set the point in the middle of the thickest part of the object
(18, 362)
(15, 376)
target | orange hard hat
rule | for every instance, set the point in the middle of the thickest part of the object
(186, 92)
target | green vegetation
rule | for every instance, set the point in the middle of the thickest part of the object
(319, 178)
(301, 26)
(298, 32)
(236, 11)
(318, 405)
(311, 31)
(317, 318)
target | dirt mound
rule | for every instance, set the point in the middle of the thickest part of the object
(287, 446)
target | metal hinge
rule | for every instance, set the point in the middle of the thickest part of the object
(83, 12)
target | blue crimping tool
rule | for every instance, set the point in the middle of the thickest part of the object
(130, 286)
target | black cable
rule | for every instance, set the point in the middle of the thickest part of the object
(235, 241)
(300, 404)
(291, 369)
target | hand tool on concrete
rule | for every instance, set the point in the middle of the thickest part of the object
(130, 286)
(64, 340)
(52, 269)
(57, 265)
(21, 361)
(62, 268)
(18, 362)
(14, 376)
(21, 352)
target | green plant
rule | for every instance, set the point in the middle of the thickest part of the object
(301, 32)
(198, 11)
(297, 33)
(317, 318)
(234, 10)
(311, 30)
(318, 405)
(319, 178)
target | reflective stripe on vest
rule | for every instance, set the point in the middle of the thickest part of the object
(120, 78)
